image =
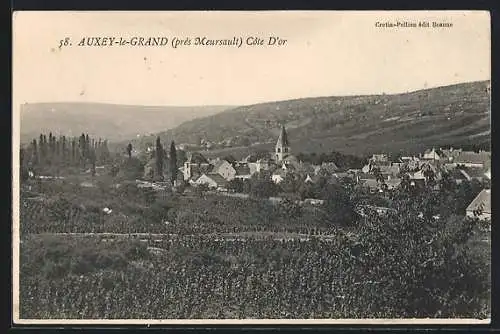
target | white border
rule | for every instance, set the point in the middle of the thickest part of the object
(15, 263)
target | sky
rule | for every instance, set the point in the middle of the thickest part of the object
(326, 53)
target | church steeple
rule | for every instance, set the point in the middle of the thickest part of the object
(282, 146)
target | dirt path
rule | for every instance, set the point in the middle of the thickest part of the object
(217, 236)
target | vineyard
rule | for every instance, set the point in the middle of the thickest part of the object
(209, 256)
(199, 277)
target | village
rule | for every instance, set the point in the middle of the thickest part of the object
(226, 175)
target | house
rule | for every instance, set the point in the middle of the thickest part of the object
(242, 172)
(410, 163)
(379, 158)
(480, 207)
(487, 174)
(279, 175)
(330, 167)
(393, 183)
(213, 181)
(196, 165)
(258, 165)
(473, 174)
(290, 160)
(432, 155)
(450, 154)
(223, 168)
(371, 184)
(457, 175)
(308, 179)
(304, 168)
(390, 171)
(253, 167)
(366, 176)
(364, 210)
(325, 169)
(416, 181)
(405, 159)
(482, 159)
(314, 201)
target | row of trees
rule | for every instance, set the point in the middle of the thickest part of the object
(52, 151)
(343, 161)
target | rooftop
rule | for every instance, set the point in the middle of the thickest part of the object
(482, 201)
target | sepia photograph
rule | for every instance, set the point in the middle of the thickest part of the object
(248, 167)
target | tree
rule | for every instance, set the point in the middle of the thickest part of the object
(87, 145)
(291, 183)
(378, 175)
(201, 189)
(159, 159)
(42, 149)
(173, 163)
(129, 150)
(339, 205)
(22, 162)
(63, 148)
(93, 161)
(405, 182)
(429, 175)
(236, 185)
(51, 144)
(426, 270)
(262, 187)
(131, 169)
(290, 208)
(73, 150)
(35, 152)
(82, 149)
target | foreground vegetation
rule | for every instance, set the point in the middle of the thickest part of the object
(389, 268)
(402, 264)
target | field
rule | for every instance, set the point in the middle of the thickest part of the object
(166, 255)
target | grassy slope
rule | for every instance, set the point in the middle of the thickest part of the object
(457, 114)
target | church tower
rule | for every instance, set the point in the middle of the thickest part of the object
(282, 147)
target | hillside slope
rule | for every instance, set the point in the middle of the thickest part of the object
(114, 122)
(457, 114)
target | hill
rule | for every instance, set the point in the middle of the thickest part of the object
(451, 115)
(114, 122)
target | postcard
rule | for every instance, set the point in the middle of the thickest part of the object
(251, 167)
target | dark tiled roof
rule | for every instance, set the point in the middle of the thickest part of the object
(474, 172)
(196, 158)
(473, 157)
(217, 179)
(242, 170)
(219, 163)
(482, 199)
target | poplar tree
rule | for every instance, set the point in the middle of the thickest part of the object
(42, 149)
(73, 150)
(129, 150)
(35, 152)
(173, 163)
(63, 146)
(159, 158)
